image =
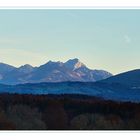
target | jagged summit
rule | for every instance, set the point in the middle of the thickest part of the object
(5, 68)
(54, 62)
(26, 68)
(71, 70)
(74, 64)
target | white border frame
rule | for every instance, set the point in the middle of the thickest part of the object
(69, 135)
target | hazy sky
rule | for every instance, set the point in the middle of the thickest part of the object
(102, 39)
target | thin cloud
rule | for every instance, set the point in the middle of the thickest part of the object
(127, 39)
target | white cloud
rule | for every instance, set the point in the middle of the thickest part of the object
(127, 39)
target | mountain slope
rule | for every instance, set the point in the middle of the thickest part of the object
(92, 75)
(53, 72)
(102, 90)
(130, 78)
(74, 64)
(26, 68)
(5, 68)
(72, 70)
(17, 75)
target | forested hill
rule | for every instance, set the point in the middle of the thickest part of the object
(66, 112)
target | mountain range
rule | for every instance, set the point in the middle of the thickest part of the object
(121, 87)
(72, 70)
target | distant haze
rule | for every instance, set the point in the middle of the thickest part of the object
(101, 39)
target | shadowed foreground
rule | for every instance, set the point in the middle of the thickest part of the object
(66, 112)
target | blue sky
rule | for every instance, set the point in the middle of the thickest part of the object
(102, 39)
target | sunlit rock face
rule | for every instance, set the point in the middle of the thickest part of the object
(72, 70)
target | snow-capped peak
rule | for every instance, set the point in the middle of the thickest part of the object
(72, 70)
(74, 64)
